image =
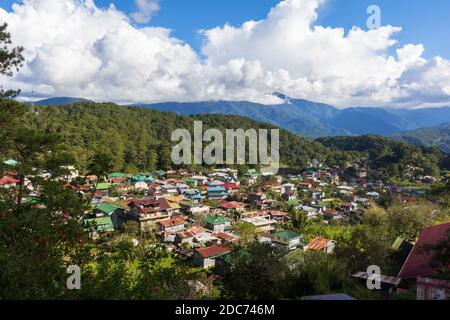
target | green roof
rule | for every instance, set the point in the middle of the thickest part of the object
(107, 208)
(117, 175)
(188, 203)
(160, 172)
(102, 224)
(216, 220)
(10, 162)
(104, 186)
(287, 235)
(252, 172)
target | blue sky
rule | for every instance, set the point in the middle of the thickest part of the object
(423, 21)
(73, 48)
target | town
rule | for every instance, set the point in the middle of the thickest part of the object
(200, 215)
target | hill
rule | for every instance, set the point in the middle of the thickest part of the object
(306, 118)
(59, 101)
(139, 139)
(389, 157)
(426, 137)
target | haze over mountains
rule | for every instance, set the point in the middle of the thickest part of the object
(314, 120)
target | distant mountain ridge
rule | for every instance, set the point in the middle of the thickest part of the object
(308, 119)
(59, 101)
(426, 137)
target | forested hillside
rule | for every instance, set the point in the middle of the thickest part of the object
(139, 139)
(392, 158)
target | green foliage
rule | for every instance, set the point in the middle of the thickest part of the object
(141, 137)
(390, 157)
(253, 272)
(11, 60)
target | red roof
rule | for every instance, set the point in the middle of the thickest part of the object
(232, 205)
(416, 264)
(8, 180)
(231, 186)
(175, 221)
(277, 214)
(318, 244)
(225, 236)
(330, 211)
(191, 232)
(213, 251)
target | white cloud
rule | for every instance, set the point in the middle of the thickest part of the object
(146, 10)
(77, 49)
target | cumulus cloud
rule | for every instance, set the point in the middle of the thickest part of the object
(75, 48)
(146, 10)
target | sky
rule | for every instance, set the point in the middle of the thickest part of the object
(191, 50)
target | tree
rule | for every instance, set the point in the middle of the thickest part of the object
(407, 221)
(245, 231)
(254, 272)
(100, 166)
(40, 232)
(440, 257)
(11, 60)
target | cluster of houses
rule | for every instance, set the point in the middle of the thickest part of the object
(196, 214)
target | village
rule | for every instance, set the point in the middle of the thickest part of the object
(200, 215)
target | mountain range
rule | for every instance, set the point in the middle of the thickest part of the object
(314, 120)
(426, 137)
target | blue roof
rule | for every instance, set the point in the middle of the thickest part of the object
(216, 189)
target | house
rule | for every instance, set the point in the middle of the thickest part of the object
(202, 180)
(191, 235)
(174, 224)
(99, 225)
(192, 194)
(432, 289)
(105, 186)
(8, 182)
(140, 185)
(170, 188)
(206, 257)
(217, 224)
(418, 262)
(288, 240)
(149, 210)
(331, 214)
(109, 210)
(311, 212)
(348, 206)
(288, 187)
(305, 185)
(233, 205)
(278, 216)
(216, 193)
(322, 244)
(255, 197)
(231, 188)
(262, 222)
(225, 238)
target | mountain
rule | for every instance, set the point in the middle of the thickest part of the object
(389, 157)
(424, 117)
(139, 139)
(59, 101)
(426, 137)
(308, 119)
